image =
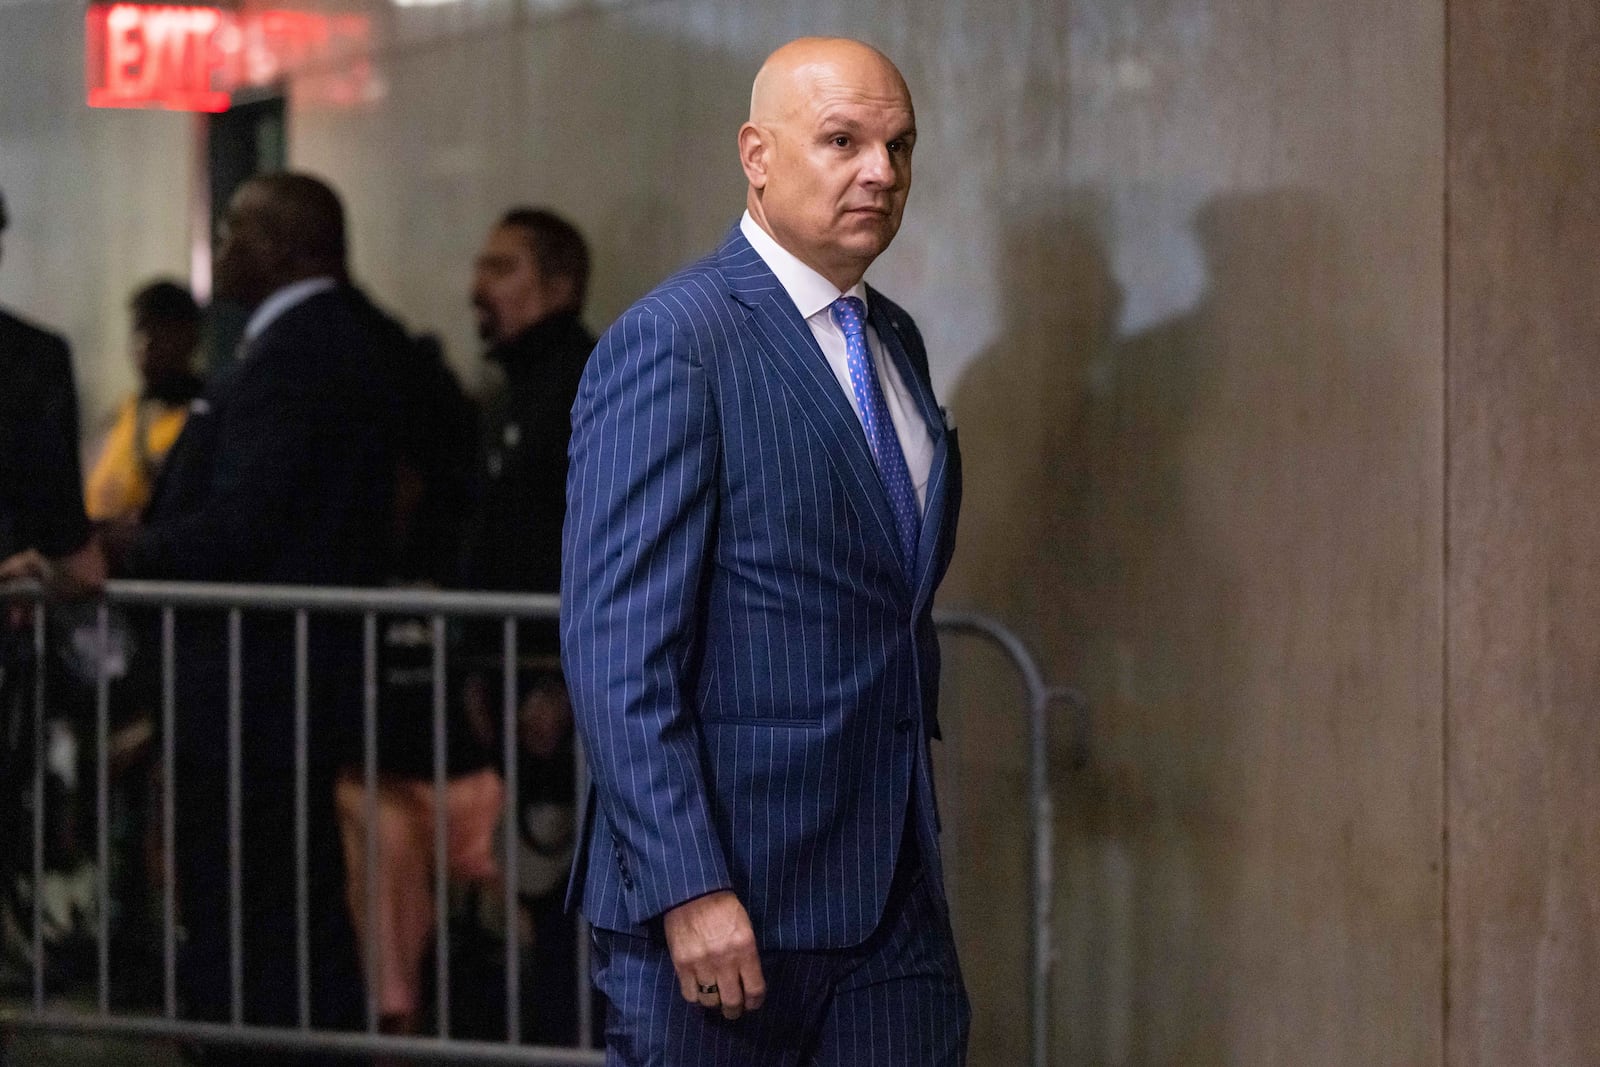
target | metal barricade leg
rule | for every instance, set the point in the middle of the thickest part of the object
(235, 817)
(169, 772)
(441, 854)
(369, 741)
(39, 680)
(301, 827)
(1041, 805)
(508, 694)
(102, 804)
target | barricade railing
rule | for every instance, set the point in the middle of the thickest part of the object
(1042, 699)
(301, 602)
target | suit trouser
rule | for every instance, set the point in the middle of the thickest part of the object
(269, 925)
(896, 1000)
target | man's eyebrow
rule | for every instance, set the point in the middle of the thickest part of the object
(833, 121)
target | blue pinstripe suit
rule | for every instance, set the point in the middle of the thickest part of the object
(753, 670)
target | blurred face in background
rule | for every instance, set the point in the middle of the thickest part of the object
(509, 292)
(250, 260)
(163, 347)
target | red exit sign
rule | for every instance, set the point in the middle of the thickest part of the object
(154, 57)
(193, 58)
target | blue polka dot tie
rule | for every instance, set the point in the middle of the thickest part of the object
(848, 312)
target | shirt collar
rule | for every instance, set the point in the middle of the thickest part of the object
(284, 299)
(810, 291)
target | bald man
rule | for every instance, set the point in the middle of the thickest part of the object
(761, 502)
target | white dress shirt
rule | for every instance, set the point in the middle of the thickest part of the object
(813, 296)
(284, 299)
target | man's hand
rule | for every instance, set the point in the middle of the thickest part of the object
(81, 574)
(78, 575)
(713, 948)
(29, 563)
(26, 565)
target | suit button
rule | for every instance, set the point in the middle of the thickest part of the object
(903, 726)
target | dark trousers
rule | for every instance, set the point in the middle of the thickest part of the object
(896, 1000)
(268, 850)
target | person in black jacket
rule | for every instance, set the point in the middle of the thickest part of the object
(43, 529)
(44, 535)
(528, 290)
(284, 473)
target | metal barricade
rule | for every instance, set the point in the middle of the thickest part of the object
(372, 604)
(1042, 699)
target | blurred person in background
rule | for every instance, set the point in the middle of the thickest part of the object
(528, 289)
(44, 532)
(166, 334)
(45, 536)
(284, 474)
(438, 446)
(164, 339)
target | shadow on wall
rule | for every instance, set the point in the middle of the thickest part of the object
(1121, 493)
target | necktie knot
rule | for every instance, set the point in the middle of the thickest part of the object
(849, 311)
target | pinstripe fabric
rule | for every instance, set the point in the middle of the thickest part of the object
(896, 1000)
(752, 670)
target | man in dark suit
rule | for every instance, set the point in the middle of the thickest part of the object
(762, 501)
(43, 529)
(44, 535)
(284, 473)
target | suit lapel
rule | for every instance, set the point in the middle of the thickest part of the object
(790, 349)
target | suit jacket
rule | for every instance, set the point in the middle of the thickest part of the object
(284, 473)
(41, 491)
(752, 668)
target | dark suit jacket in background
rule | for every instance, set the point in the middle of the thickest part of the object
(753, 670)
(41, 485)
(284, 473)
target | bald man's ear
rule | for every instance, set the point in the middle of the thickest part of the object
(755, 146)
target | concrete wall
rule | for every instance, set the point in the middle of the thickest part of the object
(1265, 323)
(98, 199)
(1206, 470)
(1524, 588)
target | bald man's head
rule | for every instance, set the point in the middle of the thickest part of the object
(827, 152)
(279, 229)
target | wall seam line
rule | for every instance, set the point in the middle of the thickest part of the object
(1444, 535)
